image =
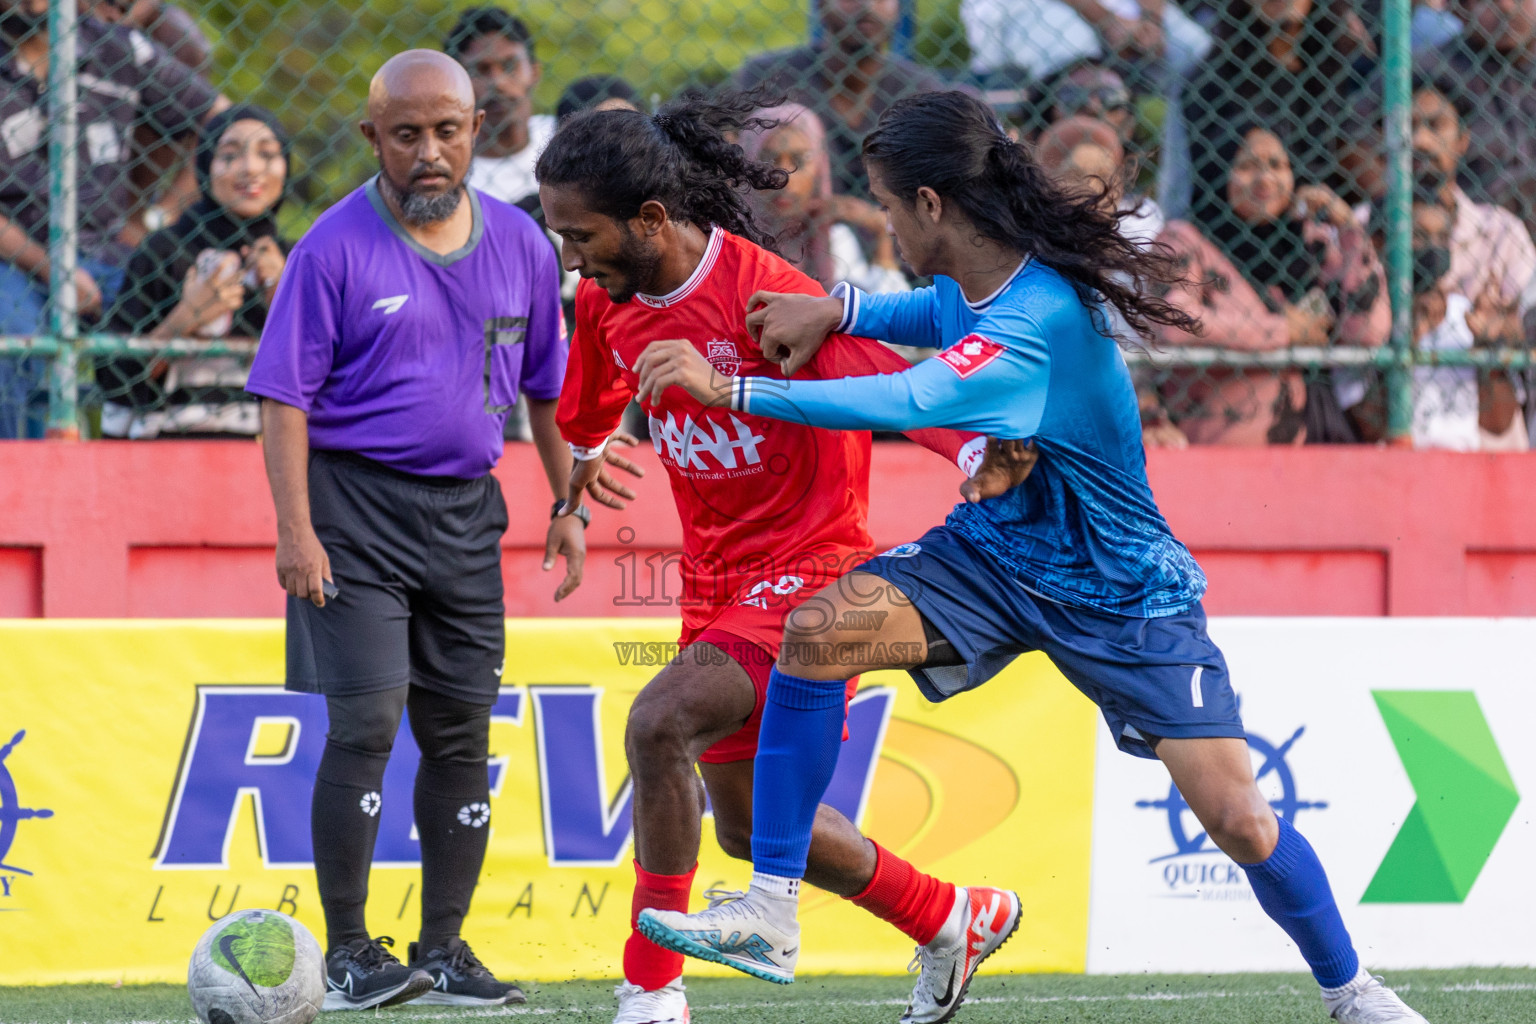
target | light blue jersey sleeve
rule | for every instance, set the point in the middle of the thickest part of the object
(993, 381)
(901, 318)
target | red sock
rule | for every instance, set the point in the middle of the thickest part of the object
(645, 963)
(915, 903)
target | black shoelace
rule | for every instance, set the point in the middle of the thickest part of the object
(463, 961)
(374, 956)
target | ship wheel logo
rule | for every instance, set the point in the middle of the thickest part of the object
(12, 814)
(1271, 772)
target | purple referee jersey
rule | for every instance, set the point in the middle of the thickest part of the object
(406, 356)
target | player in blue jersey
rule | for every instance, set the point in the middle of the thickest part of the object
(1076, 561)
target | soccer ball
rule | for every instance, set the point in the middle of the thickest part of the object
(257, 967)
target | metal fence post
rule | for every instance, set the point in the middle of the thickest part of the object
(1397, 105)
(63, 223)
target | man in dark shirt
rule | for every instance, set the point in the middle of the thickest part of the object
(848, 77)
(125, 81)
(404, 326)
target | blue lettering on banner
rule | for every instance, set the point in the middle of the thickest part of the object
(583, 825)
(220, 767)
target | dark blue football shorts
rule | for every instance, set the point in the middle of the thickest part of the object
(1160, 678)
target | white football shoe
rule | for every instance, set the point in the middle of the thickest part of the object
(752, 932)
(980, 922)
(665, 1005)
(1365, 1000)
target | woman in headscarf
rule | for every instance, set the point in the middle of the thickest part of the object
(1269, 265)
(1290, 65)
(209, 275)
(814, 228)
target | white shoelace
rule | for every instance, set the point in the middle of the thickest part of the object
(922, 966)
(728, 904)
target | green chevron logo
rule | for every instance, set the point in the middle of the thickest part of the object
(1465, 796)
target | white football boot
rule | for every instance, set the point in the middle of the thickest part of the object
(1365, 1000)
(980, 922)
(753, 932)
(665, 1005)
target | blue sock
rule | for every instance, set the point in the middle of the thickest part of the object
(797, 748)
(1293, 889)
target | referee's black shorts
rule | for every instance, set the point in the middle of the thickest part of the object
(418, 563)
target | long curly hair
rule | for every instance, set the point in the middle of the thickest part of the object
(680, 157)
(951, 142)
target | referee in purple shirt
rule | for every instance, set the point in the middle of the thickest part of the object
(407, 321)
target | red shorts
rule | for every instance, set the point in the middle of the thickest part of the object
(751, 634)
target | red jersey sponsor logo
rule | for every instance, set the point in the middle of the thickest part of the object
(970, 354)
(722, 355)
(687, 444)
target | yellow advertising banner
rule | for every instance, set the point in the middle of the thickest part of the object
(154, 776)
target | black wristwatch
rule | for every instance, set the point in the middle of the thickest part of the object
(582, 512)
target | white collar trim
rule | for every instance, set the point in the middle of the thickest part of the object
(981, 305)
(700, 272)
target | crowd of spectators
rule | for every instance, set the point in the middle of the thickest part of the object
(1243, 135)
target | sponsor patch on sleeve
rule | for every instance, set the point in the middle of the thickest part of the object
(970, 354)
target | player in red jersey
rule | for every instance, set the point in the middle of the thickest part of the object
(651, 212)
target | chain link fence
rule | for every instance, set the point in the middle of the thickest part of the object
(1351, 186)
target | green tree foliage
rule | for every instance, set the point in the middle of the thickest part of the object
(311, 61)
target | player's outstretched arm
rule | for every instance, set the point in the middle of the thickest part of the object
(664, 364)
(1002, 397)
(790, 327)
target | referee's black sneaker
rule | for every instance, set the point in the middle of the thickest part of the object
(362, 975)
(460, 979)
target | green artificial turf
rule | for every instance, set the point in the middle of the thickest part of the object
(1471, 996)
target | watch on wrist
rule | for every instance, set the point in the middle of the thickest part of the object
(582, 512)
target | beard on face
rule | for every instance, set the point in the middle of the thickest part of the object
(638, 260)
(417, 207)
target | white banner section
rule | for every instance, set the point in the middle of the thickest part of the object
(1401, 748)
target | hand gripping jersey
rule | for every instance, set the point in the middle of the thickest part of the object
(1029, 361)
(760, 499)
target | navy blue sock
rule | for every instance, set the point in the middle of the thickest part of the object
(1293, 889)
(797, 750)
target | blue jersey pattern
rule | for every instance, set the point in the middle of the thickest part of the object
(1028, 362)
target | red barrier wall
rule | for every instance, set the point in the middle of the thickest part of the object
(114, 529)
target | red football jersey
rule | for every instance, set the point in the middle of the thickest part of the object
(759, 498)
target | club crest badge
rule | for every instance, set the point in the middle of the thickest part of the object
(722, 355)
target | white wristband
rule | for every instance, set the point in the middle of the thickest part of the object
(583, 454)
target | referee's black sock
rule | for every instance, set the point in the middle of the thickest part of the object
(453, 819)
(344, 821)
